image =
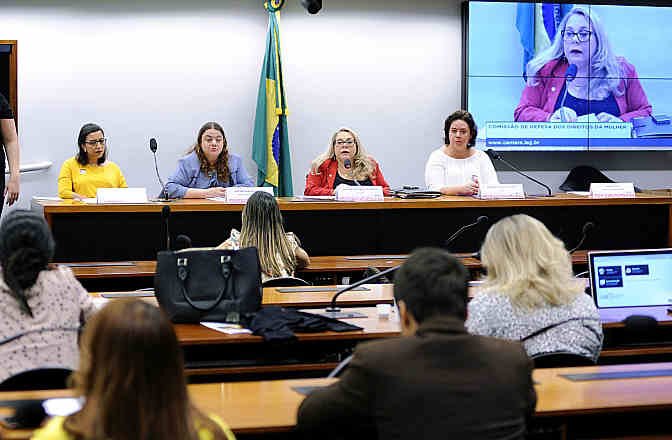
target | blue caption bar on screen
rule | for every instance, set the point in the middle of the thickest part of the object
(637, 269)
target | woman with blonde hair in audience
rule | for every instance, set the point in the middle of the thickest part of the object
(131, 377)
(280, 252)
(530, 293)
(344, 163)
(40, 304)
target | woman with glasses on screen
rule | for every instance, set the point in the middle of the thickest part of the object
(82, 175)
(456, 168)
(344, 163)
(580, 75)
(530, 294)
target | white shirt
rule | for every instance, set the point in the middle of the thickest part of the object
(442, 170)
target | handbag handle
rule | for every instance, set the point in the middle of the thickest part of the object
(183, 274)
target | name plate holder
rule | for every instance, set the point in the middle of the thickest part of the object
(121, 195)
(501, 191)
(612, 190)
(240, 194)
(351, 193)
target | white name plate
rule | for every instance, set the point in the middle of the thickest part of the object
(501, 191)
(350, 193)
(612, 190)
(121, 195)
(240, 194)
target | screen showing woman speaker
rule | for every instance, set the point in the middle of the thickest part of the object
(560, 76)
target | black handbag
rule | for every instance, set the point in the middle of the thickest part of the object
(219, 285)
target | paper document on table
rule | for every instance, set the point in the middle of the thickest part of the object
(47, 199)
(229, 329)
(313, 198)
(579, 193)
(217, 199)
(91, 200)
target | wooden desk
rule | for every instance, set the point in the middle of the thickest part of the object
(376, 294)
(394, 226)
(270, 406)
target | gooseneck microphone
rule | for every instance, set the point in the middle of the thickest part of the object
(480, 220)
(570, 74)
(587, 227)
(165, 215)
(164, 194)
(493, 155)
(334, 311)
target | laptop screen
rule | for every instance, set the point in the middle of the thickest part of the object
(634, 278)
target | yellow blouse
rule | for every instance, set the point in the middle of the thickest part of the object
(86, 179)
(53, 430)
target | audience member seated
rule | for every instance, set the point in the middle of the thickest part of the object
(437, 380)
(208, 168)
(530, 294)
(40, 305)
(457, 168)
(132, 379)
(344, 163)
(280, 252)
(83, 174)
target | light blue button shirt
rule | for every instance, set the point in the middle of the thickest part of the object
(189, 175)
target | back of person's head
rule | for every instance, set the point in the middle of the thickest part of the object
(525, 262)
(432, 282)
(26, 248)
(131, 374)
(262, 228)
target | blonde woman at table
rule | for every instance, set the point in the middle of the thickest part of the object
(530, 294)
(280, 252)
(344, 163)
(132, 380)
(83, 174)
(457, 168)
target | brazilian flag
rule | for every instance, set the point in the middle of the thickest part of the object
(270, 143)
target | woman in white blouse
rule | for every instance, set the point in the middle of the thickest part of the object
(456, 168)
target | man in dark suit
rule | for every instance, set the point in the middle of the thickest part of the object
(436, 381)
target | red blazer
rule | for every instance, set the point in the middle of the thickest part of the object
(322, 183)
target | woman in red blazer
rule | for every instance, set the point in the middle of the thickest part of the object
(344, 162)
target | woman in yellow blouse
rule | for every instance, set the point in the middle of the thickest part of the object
(82, 175)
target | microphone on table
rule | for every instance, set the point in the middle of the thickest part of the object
(182, 242)
(480, 220)
(347, 164)
(164, 194)
(335, 312)
(165, 214)
(493, 155)
(587, 227)
(570, 74)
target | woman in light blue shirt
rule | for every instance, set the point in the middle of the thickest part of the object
(208, 169)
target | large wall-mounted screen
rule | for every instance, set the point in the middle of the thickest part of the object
(560, 76)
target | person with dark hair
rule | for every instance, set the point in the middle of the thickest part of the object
(40, 305)
(437, 380)
(208, 168)
(280, 252)
(457, 168)
(9, 144)
(131, 376)
(83, 174)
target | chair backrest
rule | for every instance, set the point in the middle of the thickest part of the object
(560, 359)
(340, 367)
(37, 379)
(285, 282)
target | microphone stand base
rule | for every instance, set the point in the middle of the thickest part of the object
(537, 196)
(342, 315)
(159, 199)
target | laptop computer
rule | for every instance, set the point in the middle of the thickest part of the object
(628, 279)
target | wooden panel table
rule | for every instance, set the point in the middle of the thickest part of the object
(394, 226)
(596, 407)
